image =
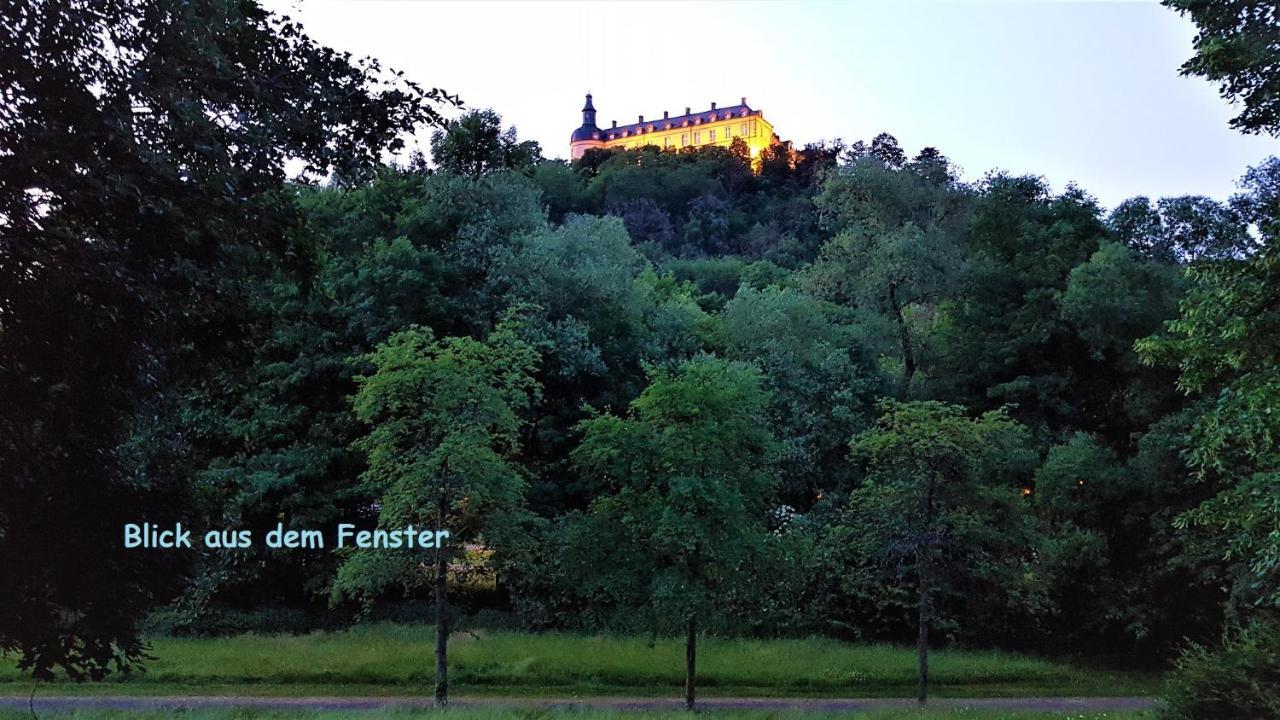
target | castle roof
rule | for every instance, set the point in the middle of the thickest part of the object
(592, 132)
(689, 119)
(587, 132)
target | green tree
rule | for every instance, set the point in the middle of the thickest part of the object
(1180, 229)
(601, 315)
(444, 419)
(821, 379)
(1237, 681)
(1003, 338)
(940, 501)
(1123, 577)
(896, 247)
(1115, 298)
(1236, 48)
(562, 188)
(689, 484)
(1226, 344)
(476, 144)
(143, 146)
(469, 223)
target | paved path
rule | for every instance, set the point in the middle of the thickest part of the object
(67, 703)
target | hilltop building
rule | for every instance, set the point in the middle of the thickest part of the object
(717, 126)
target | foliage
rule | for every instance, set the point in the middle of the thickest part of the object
(1225, 345)
(1016, 333)
(142, 151)
(1114, 298)
(444, 418)
(1180, 229)
(940, 510)
(1236, 48)
(476, 144)
(601, 315)
(685, 485)
(820, 377)
(896, 247)
(1239, 680)
(1117, 566)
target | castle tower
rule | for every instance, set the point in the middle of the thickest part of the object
(588, 136)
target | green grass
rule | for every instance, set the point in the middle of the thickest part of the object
(398, 659)
(507, 714)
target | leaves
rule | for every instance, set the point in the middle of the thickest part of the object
(1237, 48)
(143, 203)
(685, 482)
(444, 419)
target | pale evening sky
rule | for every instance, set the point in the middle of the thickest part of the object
(1084, 92)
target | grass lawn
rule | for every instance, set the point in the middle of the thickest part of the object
(500, 714)
(399, 660)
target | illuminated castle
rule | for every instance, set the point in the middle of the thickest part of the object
(717, 126)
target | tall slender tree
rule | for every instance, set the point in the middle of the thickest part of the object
(689, 486)
(931, 499)
(445, 418)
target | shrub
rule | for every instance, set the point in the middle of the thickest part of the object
(1239, 681)
(173, 622)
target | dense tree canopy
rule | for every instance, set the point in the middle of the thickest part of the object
(834, 390)
(1226, 344)
(142, 191)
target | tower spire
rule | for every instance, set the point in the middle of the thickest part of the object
(588, 113)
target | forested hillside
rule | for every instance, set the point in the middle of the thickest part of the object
(829, 298)
(837, 390)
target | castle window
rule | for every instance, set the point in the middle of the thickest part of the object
(713, 136)
(684, 138)
(667, 142)
(744, 129)
(697, 138)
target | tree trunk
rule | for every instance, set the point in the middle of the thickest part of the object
(442, 615)
(922, 640)
(690, 662)
(904, 340)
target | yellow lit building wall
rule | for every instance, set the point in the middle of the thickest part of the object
(715, 127)
(753, 129)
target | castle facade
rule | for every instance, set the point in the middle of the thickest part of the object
(717, 126)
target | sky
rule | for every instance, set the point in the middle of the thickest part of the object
(1082, 92)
